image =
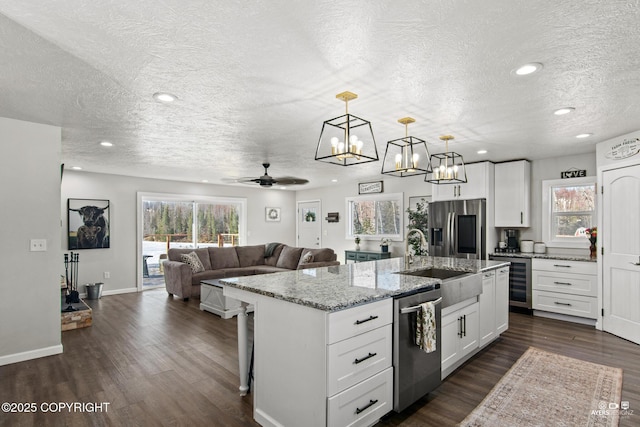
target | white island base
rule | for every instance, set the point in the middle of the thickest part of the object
(304, 366)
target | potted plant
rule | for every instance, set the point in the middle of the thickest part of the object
(384, 244)
(357, 240)
(419, 218)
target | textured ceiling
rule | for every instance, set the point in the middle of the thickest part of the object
(255, 80)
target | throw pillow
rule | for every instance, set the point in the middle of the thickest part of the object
(193, 261)
(289, 258)
(306, 258)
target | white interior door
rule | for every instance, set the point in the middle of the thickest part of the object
(621, 259)
(309, 224)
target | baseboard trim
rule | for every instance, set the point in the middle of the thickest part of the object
(31, 354)
(114, 292)
(565, 317)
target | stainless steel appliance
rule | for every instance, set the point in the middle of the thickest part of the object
(519, 280)
(415, 372)
(511, 237)
(457, 228)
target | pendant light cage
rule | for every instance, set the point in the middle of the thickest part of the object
(447, 167)
(408, 156)
(346, 140)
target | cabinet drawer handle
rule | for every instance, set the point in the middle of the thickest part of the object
(460, 327)
(359, 322)
(560, 265)
(562, 283)
(562, 303)
(521, 217)
(369, 356)
(464, 322)
(367, 406)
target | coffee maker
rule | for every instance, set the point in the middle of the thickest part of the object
(511, 237)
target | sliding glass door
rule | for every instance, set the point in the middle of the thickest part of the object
(173, 221)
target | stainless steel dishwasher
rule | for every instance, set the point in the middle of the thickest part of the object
(416, 373)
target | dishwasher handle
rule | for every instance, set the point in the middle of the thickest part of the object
(415, 308)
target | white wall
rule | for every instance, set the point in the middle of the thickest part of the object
(29, 281)
(333, 200)
(121, 260)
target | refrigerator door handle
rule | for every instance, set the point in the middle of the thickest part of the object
(452, 249)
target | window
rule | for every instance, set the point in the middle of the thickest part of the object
(372, 217)
(569, 208)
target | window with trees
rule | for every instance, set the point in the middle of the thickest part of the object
(375, 216)
(569, 209)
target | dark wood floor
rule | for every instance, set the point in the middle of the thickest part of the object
(162, 362)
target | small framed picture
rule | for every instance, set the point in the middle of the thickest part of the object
(370, 187)
(272, 214)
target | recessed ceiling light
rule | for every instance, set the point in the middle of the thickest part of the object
(283, 188)
(562, 111)
(205, 180)
(106, 144)
(584, 135)
(76, 168)
(482, 151)
(164, 97)
(334, 180)
(529, 68)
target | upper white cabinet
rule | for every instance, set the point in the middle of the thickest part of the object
(479, 184)
(512, 194)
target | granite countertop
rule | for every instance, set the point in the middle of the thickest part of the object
(343, 286)
(585, 258)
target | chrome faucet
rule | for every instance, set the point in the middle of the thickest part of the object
(408, 258)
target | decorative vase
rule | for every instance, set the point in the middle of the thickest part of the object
(593, 251)
(357, 246)
(384, 248)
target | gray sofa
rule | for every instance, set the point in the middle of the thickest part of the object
(236, 261)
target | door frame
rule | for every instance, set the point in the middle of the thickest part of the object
(298, 202)
(632, 161)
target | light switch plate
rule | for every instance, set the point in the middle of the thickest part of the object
(38, 245)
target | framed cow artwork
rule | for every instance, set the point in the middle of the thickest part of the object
(88, 223)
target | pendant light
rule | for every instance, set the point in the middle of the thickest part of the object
(447, 167)
(406, 156)
(346, 140)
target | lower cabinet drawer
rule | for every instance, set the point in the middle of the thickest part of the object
(364, 403)
(574, 305)
(566, 283)
(347, 323)
(362, 257)
(355, 359)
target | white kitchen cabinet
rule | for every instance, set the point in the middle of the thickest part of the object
(493, 305)
(460, 330)
(565, 287)
(479, 185)
(487, 307)
(512, 194)
(502, 300)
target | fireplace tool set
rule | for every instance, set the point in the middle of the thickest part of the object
(71, 277)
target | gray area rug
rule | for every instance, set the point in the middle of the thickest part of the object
(547, 389)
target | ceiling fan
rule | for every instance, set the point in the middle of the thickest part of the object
(267, 181)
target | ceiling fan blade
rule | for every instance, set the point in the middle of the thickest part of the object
(290, 180)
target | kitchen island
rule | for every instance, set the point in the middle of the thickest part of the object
(309, 327)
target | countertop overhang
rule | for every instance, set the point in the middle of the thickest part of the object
(343, 286)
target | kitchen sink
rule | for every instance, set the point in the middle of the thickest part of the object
(456, 286)
(436, 273)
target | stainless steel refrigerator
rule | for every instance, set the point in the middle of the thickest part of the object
(458, 228)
